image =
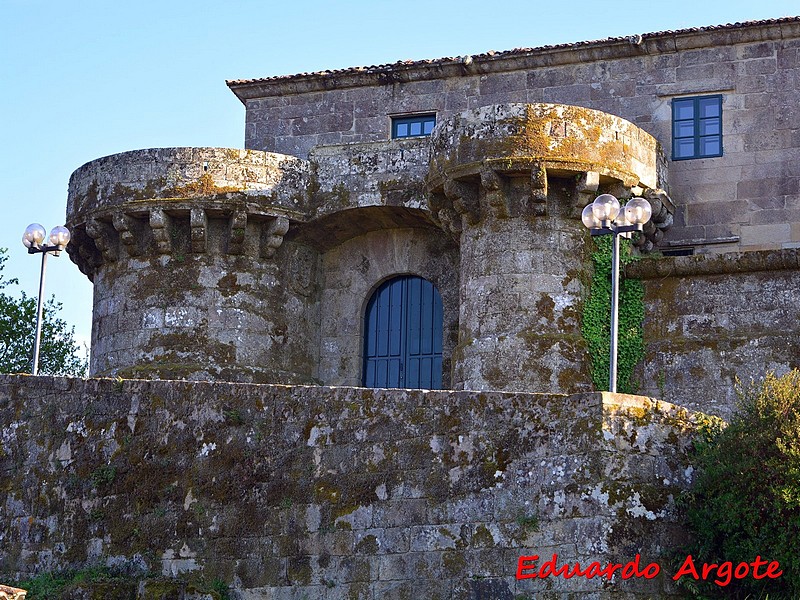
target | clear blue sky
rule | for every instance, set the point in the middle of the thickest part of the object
(83, 79)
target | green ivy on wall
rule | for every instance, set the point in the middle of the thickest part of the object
(596, 325)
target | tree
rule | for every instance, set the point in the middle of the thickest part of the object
(59, 353)
(745, 501)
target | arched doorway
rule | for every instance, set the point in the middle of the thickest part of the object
(403, 335)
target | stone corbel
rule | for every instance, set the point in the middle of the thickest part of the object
(496, 199)
(126, 227)
(84, 254)
(273, 236)
(436, 202)
(443, 214)
(159, 224)
(238, 232)
(586, 187)
(198, 222)
(661, 220)
(464, 197)
(104, 239)
(661, 204)
(451, 222)
(538, 198)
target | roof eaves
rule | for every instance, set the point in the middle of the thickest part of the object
(410, 70)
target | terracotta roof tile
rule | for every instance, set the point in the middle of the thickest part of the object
(491, 54)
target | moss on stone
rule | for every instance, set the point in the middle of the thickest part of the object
(454, 563)
(368, 545)
(482, 537)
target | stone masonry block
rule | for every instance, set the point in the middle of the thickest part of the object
(400, 513)
(439, 537)
(752, 235)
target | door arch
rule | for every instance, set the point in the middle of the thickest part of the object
(403, 335)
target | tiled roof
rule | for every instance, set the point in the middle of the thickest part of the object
(405, 64)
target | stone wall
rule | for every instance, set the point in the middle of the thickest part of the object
(264, 178)
(388, 173)
(354, 269)
(208, 317)
(285, 492)
(712, 319)
(748, 197)
(521, 311)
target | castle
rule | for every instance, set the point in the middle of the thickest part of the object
(416, 226)
(465, 178)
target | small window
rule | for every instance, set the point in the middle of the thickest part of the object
(678, 252)
(696, 127)
(416, 126)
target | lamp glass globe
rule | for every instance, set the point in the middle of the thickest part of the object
(588, 218)
(605, 207)
(638, 211)
(59, 236)
(33, 236)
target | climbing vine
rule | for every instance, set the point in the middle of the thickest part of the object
(596, 325)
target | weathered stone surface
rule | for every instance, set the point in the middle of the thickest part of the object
(355, 268)
(564, 139)
(204, 316)
(285, 491)
(520, 311)
(184, 173)
(714, 318)
(753, 66)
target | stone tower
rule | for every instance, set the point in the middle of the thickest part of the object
(509, 182)
(181, 246)
(193, 278)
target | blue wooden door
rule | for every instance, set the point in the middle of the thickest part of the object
(403, 335)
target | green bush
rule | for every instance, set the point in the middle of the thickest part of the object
(104, 582)
(44, 586)
(746, 498)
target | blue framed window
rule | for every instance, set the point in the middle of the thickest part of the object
(415, 126)
(696, 127)
(403, 335)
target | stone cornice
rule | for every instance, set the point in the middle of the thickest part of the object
(518, 59)
(715, 264)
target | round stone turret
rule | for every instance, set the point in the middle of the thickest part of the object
(184, 248)
(509, 182)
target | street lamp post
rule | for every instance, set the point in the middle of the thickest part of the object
(604, 217)
(33, 239)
